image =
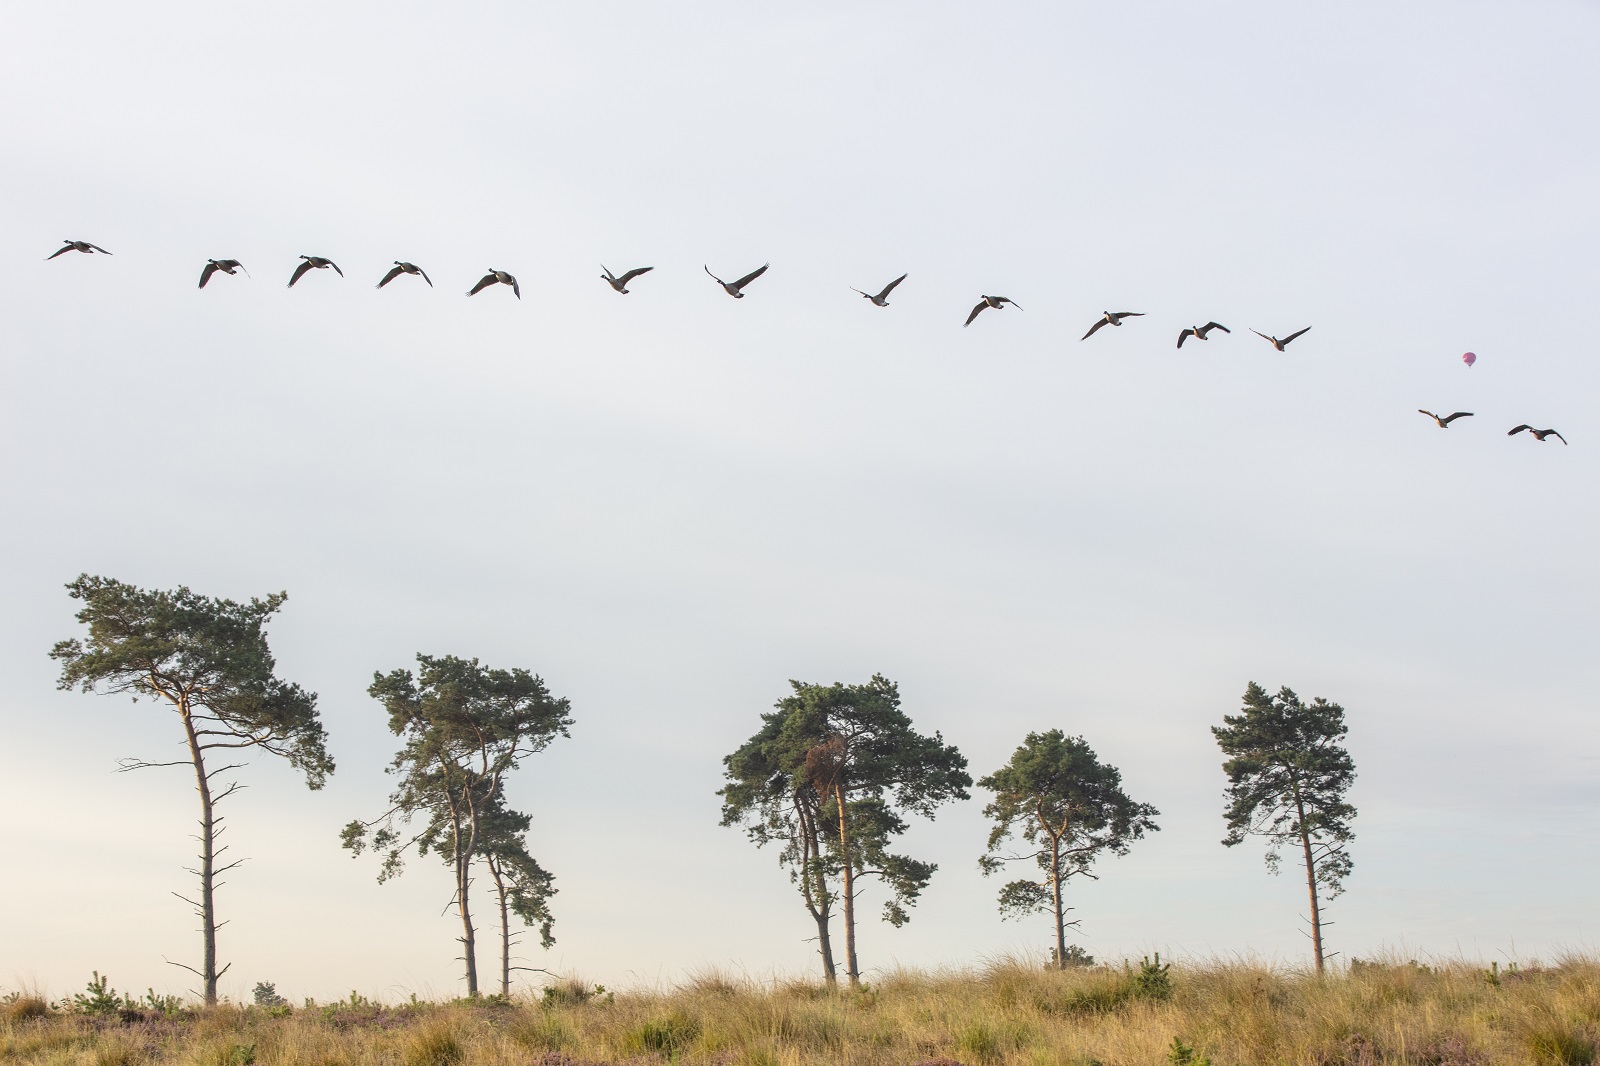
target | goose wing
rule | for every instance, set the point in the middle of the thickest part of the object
(1093, 328)
(981, 305)
(64, 249)
(1295, 334)
(1459, 414)
(97, 248)
(712, 276)
(1217, 325)
(1263, 336)
(630, 275)
(424, 276)
(1556, 435)
(516, 290)
(483, 283)
(1519, 429)
(299, 272)
(394, 272)
(336, 269)
(887, 289)
(1186, 334)
(1130, 314)
(1430, 414)
(211, 268)
(753, 275)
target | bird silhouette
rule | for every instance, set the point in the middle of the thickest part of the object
(1444, 422)
(405, 268)
(1199, 332)
(313, 262)
(736, 289)
(227, 266)
(621, 284)
(1539, 434)
(882, 299)
(76, 246)
(1110, 318)
(1275, 342)
(995, 302)
(496, 277)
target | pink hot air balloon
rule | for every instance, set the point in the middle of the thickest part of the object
(1469, 358)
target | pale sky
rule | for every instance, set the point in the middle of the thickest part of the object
(670, 503)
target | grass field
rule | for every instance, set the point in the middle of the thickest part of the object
(1224, 1014)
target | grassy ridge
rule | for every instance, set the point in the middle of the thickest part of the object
(1227, 1014)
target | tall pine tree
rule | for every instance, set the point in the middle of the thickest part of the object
(1288, 775)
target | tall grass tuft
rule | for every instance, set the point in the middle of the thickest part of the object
(24, 1008)
(435, 1043)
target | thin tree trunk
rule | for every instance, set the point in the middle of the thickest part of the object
(208, 825)
(462, 853)
(1311, 884)
(814, 886)
(849, 890)
(505, 929)
(830, 972)
(1055, 887)
(469, 941)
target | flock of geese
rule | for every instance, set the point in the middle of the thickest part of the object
(736, 288)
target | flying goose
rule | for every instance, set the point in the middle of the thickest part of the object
(1199, 332)
(1444, 423)
(1111, 318)
(77, 246)
(227, 266)
(405, 268)
(736, 288)
(496, 277)
(991, 301)
(621, 284)
(882, 299)
(1275, 342)
(1541, 434)
(313, 262)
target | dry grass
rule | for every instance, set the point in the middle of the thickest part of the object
(1007, 1015)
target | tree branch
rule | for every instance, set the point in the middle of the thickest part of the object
(124, 765)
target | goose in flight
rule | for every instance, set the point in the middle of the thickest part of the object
(991, 301)
(1111, 318)
(313, 262)
(1541, 434)
(621, 284)
(1275, 342)
(227, 266)
(496, 277)
(77, 246)
(882, 299)
(405, 268)
(1444, 422)
(735, 289)
(1199, 332)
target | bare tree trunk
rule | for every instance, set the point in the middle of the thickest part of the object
(505, 929)
(469, 940)
(849, 890)
(830, 972)
(208, 858)
(1311, 885)
(814, 886)
(1055, 891)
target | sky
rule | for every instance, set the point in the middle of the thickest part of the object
(669, 504)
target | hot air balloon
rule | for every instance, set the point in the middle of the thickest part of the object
(1469, 358)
